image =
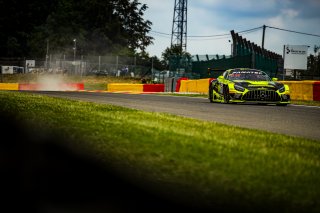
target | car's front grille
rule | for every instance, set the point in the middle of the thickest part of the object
(261, 95)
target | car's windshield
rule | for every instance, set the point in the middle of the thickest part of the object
(251, 75)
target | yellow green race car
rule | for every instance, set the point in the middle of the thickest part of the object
(246, 85)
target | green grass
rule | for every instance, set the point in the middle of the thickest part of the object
(308, 103)
(95, 86)
(196, 161)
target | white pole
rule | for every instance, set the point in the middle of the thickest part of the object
(284, 53)
(117, 59)
(152, 69)
(47, 54)
(74, 54)
(99, 63)
(81, 66)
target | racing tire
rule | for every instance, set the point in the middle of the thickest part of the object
(226, 95)
(210, 93)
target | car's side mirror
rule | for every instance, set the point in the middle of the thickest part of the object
(274, 79)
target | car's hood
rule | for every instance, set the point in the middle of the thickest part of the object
(259, 84)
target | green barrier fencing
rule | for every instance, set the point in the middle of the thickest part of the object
(212, 68)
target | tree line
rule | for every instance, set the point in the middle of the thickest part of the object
(94, 27)
(99, 27)
(314, 63)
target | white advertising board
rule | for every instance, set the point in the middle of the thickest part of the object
(30, 63)
(7, 69)
(295, 57)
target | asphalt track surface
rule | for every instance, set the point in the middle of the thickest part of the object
(294, 120)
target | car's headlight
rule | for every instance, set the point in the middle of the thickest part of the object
(282, 89)
(239, 88)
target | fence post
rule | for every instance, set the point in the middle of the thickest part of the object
(1, 74)
(117, 62)
(64, 63)
(253, 60)
(135, 64)
(50, 61)
(81, 66)
(99, 63)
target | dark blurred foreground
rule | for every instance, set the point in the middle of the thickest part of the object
(37, 175)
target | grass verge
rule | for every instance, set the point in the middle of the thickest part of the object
(307, 103)
(198, 162)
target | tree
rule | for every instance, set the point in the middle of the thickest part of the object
(100, 27)
(17, 21)
(158, 64)
(174, 53)
(135, 27)
(174, 50)
(314, 63)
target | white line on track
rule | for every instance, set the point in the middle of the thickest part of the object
(295, 105)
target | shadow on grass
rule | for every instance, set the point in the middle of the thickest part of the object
(37, 175)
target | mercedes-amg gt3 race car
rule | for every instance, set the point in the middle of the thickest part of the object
(246, 85)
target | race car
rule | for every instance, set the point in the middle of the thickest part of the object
(246, 85)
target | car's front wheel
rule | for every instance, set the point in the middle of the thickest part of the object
(210, 93)
(226, 95)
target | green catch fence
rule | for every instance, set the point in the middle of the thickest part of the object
(214, 67)
(245, 54)
(268, 61)
(86, 65)
(211, 66)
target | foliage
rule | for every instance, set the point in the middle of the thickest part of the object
(313, 66)
(314, 63)
(174, 50)
(100, 27)
(158, 64)
(144, 59)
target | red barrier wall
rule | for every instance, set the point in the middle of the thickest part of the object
(316, 91)
(53, 87)
(179, 83)
(153, 87)
(78, 86)
(28, 86)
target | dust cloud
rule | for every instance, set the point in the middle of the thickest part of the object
(54, 83)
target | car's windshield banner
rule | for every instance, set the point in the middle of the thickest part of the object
(255, 72)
